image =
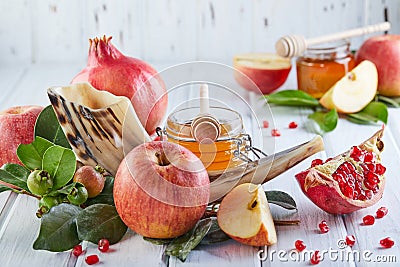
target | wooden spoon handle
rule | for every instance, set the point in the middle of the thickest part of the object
(295, 45)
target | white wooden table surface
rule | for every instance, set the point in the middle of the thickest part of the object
(27, 84)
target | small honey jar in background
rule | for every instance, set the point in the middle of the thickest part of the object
(216, 155)
(322, 66)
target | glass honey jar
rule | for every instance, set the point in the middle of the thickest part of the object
(320, 67)
(229, 146)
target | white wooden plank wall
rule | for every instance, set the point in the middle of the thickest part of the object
(174, 30)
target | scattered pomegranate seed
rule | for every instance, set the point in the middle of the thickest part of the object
(315, 258)
(387, 242)
(381, 212)
(368, 220)
(77, 250)
(265, 124)
(103, 245)
(92, 259)
(323, 227)
(299, 245)
(316, 162)
(350, 240)
(328, 159)
(292, 125)
(275, 132)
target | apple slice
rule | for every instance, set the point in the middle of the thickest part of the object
(245, 216)
(354, 91)
(263, 72)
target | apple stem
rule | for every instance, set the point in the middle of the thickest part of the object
(162, 159)
(280, 222)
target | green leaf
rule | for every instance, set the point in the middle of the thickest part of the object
(215, 234)
(14, 174)
(60, 163)
(48, 127)
(31, 155)
(372, 113)
(292, 98)
(281, 199)
(158, 241)
(181, 246)
(58, 229)
(394, 102)
(106, 196)
(326, 121)
(63, 190)
(100, 221)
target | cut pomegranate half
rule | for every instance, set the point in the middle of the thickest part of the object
(350, 181)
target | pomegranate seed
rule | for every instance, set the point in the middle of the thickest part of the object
(323, 227)
(92, 259)
(350, 240)
(369, 157)
(265, 124)
(368, 220)
(380, 169)
(328, 159)
(316, 162)
(103, 245)
(293, 125)
(315, 258)
(357, 154)
(275, 132)
(381, 212)
(300, 246)
(348, 191)
(77, 250)
(387, 242)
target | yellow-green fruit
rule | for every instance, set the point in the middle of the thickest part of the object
(91, 179)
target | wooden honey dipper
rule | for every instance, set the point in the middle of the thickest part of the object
(205, 128)
(295, 45)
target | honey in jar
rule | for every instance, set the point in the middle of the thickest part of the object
(320, 67)
(216, 155)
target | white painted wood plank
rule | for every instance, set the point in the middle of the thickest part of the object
(32, 87)
(168, 31)
(274, 19)
(15, 32)
(9, 78)
(223, 29)
(132, 250)
(121, 19)
(56, 31)
(329, 16)
(18, 234)
(229, 253)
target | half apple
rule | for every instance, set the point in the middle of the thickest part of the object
(245, 216)
(261, 72)
(354, 91)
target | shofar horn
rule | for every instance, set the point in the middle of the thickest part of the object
(264, 169)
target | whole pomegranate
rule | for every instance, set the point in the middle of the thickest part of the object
(348, 182)
(109, 70)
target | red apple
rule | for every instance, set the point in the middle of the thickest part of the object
(16, 127)
(384, 52)
(265, 72)
(245, 216)
(161, 190)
